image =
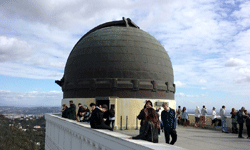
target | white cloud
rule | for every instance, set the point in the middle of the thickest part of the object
(243, 80)
(232, 62)
(190, 96)
(64, 14)
(4, 91)
(12, 49)
(202, 81)
(179, 84)
(199, 47)
(230, 2)
(203, 88)
(242, 14)
(27, 71)
(244, 76)
(32, 98)
(245, 71)
(20, 59)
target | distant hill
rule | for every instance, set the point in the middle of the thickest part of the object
(28, 110)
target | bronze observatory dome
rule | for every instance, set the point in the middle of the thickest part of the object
(117, 59)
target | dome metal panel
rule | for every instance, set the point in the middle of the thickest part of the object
(118, 53)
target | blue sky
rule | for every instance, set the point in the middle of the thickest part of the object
(207, 41)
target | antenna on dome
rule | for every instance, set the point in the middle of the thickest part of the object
(129, 22)
(126, 21)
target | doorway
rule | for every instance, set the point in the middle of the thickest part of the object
(102, 100)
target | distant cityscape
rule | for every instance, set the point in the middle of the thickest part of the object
(26, 112)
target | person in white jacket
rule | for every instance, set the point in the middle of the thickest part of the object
(214, 118)
(203, 116)
(223, 119)
(197, 116)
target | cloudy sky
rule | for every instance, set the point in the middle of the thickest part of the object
(208, 42)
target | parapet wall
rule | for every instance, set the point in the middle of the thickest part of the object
(65, 134)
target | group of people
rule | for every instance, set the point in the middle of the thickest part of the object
(99, 117)
(152, 121)
(182, 116)
(200, 116)
(69, 112)
(82, 115)
(238, 117)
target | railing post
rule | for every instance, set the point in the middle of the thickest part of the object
(126, 122)
(121, 123)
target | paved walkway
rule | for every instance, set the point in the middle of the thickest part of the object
(203, 139)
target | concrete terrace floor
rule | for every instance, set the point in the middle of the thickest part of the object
(202, 139)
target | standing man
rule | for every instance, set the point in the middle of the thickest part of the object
(240, 120)
(93, 119)
(223, 119)
(203, 116)
(169, 123)
(179, 114)
(80, 111)
(72, 110)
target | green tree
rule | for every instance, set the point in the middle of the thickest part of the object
(12, 138)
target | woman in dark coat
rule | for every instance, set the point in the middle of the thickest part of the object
(141, 116)
(150, 126)
(65, 111)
